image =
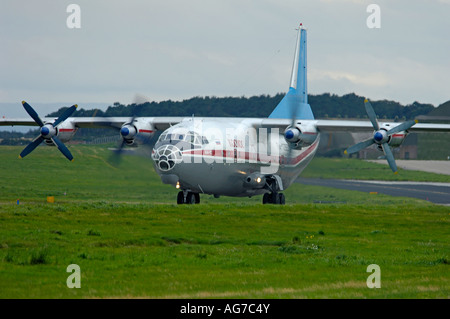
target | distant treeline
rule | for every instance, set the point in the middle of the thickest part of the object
(323, 106)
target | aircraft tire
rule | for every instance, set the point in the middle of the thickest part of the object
(180, 198)
(282, 199)
(197, 198)
(274, 198)
(190, 198)
(266, 198)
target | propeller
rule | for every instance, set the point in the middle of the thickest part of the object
(291, 133)
(380, 137)
(47, 131)
(128, 132)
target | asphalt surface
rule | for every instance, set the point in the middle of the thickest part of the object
(438, 193)
(438, 167)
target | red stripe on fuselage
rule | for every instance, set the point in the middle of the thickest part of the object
(242, 155)
(294, 161)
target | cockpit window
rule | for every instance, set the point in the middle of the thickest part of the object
(189, 137)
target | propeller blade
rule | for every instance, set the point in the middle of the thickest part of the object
(30, 147)
(294, 109)
(62, 148)
(65, 115)
(390, 157)
(32, 113)
(289, 155)
(357, 147)
(114, 158)
(140, 99)
(402, 127)
(371, 114)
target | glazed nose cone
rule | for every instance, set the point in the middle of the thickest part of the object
(167, 156)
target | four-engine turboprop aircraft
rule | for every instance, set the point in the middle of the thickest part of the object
(232, 156)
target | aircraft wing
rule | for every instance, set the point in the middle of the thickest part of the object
(159, 123)
(18, 122)
(366, 126)
(349, 125)
(162, 123)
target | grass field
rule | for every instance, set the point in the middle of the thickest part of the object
(121, 227)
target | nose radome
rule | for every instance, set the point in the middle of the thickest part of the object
(167, 156)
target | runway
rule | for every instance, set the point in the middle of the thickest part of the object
(438, 167)
(438, 193)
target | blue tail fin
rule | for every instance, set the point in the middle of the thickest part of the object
(295, 102)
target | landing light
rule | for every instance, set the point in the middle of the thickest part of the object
(258, 180)
(178, 185)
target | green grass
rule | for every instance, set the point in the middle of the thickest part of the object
(121, 227)
(250, 251)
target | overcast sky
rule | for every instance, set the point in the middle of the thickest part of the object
(177, 49)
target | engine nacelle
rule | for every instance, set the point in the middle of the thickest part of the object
(145, 129)
(397, 139)
(64, 131)
(128, 133)
(394, 140)
(300, 134)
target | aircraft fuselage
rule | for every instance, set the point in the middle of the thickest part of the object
(231, 158)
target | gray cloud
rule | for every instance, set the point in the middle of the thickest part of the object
(176, 49)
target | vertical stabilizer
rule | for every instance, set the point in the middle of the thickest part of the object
(295, 102)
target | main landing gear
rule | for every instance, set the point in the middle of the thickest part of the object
(273, 185)
(274, 198)
(188, 198)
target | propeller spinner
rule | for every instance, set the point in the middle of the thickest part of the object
(380, 137)
(48, 131)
